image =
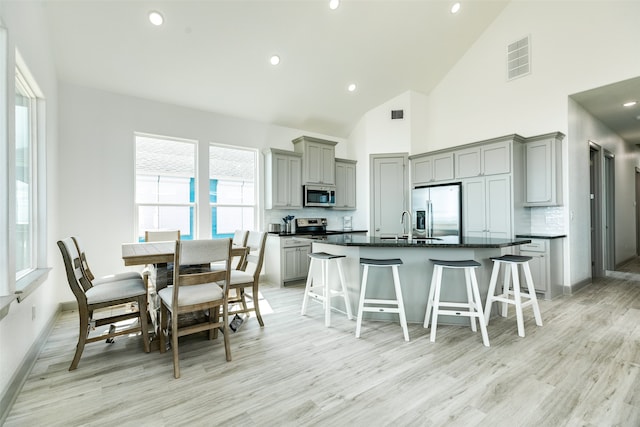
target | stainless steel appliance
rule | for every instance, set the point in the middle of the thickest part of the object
(319, 195)
(437, 210)
(311, 225)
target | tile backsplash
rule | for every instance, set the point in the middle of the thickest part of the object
(335, 219)
(548, 220)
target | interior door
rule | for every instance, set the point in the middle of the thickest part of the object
(388, 193)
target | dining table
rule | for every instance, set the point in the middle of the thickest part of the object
(159, 256)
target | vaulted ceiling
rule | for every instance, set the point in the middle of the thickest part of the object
(214, 55)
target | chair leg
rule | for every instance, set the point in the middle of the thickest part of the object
(174, 345)
(142, 312)
(476, 294)
(225, 330)
(432, 289)
(256, 303)
(505, 288)
(472, 305)
(532, 293)
(164, 314)
(403, 317)
(343, 285)
(82, 337)
(363, 290)
(307, 288)
(436, 303)
(517, 300)
(324, 266)
(492, 290)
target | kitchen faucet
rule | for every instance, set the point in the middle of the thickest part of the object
(409, 236)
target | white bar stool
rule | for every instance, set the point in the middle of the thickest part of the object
(325, 293)
(512, 262)
(382, 305)
(473, 305)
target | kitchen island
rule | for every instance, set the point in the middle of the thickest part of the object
(415, 273)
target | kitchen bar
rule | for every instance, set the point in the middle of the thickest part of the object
(415, 272)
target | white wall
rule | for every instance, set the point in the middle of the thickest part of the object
(18, 331)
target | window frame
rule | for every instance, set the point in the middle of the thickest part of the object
(254, 205)
(193, 206)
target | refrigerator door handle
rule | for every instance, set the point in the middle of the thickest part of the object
(429, 219)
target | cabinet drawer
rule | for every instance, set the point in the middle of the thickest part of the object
(536, 245)
(292, 243)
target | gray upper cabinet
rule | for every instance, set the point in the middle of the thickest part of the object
(543, 170)
(318, 160)
(486, 159)
(283, 176)
(427, 169)
(345, 184)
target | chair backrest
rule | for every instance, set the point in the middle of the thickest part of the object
(73, 265)
(240, 237)
(192, 261)
(83, 257)
(161, 235)
(255, 257)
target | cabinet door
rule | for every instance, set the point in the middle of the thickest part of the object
(498, 206)
(289, 263)
(467, 163)
(473, 194)
(303, 260)
(421, 170)
(313, 160)
(345, 185)
(294, 189)
(327, 166)
(281, 181)
(538, 267)
(496, 158)
(443, 167)
(538, 168)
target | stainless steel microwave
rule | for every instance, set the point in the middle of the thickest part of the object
(319, 195)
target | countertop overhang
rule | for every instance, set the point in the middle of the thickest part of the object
(440, 242)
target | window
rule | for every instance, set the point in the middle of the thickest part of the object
(232, 189)
(165, 185)
(26, 205)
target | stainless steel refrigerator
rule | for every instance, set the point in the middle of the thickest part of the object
(437, 210)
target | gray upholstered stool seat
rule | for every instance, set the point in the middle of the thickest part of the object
(511, 262)
(323, 292)
(379, 305)
(473, 306)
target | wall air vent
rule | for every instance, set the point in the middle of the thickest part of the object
(397, 114)
(519, 58)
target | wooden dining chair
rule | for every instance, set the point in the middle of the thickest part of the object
(161, 235)
(249, 276)
(239, 240)
(196, 289)
(98, 280)
(93, 296)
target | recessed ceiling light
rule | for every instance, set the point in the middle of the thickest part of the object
(275, 60)
(333, 4)
(629, 104)
(351, 87)
(156, 18)
(455, 8)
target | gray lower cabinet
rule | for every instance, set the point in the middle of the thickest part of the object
(286, 259)
(546, 265)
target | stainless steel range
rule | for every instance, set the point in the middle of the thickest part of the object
(311, 226)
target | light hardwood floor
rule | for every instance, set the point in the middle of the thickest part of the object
(582, 368)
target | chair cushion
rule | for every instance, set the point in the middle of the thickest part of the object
(194, 294)
(116, 277)
(238, 277)
(120, 289)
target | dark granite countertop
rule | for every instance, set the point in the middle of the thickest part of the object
(448, 241)
(540, 236)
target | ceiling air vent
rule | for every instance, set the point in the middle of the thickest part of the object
(397, 114)
(519, 58)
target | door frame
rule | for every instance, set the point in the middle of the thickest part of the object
(595, 192)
